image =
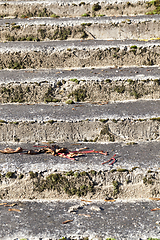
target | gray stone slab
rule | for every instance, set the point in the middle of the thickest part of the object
(144, 155)
(73, 1)
(99, 74)
(78, 21)
(52, 46)
(145, 109)
(43, 220)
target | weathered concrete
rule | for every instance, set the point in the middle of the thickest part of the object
(130, 121)
(78, 54)
(107, 28)
(43, 220)
(59, 90)
(94, 74)
(144, 155)
(73, 8)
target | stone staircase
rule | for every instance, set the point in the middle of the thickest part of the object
(81, 75)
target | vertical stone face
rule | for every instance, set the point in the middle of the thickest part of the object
(79, 119)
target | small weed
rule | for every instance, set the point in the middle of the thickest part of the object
(110, 239)
(108, 81)
(157, 81)
(130, 81)
(114, 120)
(155, 119)
(92, 172)
(83, 173)
(131, 143)
(16, 27)
(115, 187)
(9, 175)
(133, 47)
(54, 16)
(21, 176)
(85, 15)
(10, 38)
(79, 94)
(103, 120)
(2, 121)
(120, 89)
(153, 238)
(84, 35)
(70, 173)
(76, 174)
(33, 175)
(113, 170)
(86, 24)
(101, 15)
(134, 168)
(96, 7)
(122, 170)
(128, 181)
(82, 3)
(69, 101)
(74, 80)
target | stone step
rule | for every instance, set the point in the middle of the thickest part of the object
(91, 53)
(107, 28)
(119, 121)
(75, 8)
(94, 85)
(97, 220)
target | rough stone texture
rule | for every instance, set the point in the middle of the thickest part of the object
(43, 220)
(51, 58)
(68, 9)
(143, 27)
(83, 90)
(93, 185)
(126, 130)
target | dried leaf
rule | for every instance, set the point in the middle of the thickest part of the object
(155, 199)
(109, 200)
(67, 221)
(10, 205)
(155, 209)
(61, 150)
(85, 215)
(14, 210)
(1, 204)
(85, 200)
(10, 150)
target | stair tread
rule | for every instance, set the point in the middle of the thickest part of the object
(145, 109)
(43, 220)
(143, 155)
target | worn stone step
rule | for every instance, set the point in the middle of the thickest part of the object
(107, 28)
(75, 8)
(96, 85)
(134, 174)
(120, 121)
(97, 220)
(89, 53)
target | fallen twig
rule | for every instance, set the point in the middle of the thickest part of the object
(67, 221)
(155, 199)
(155, 209)
(14, 210)
(112, 158)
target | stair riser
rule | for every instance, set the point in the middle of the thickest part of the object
(130, 185)
(111, 31)
(71, 10)
(81, 58)
(113, 130)
(94, 91)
